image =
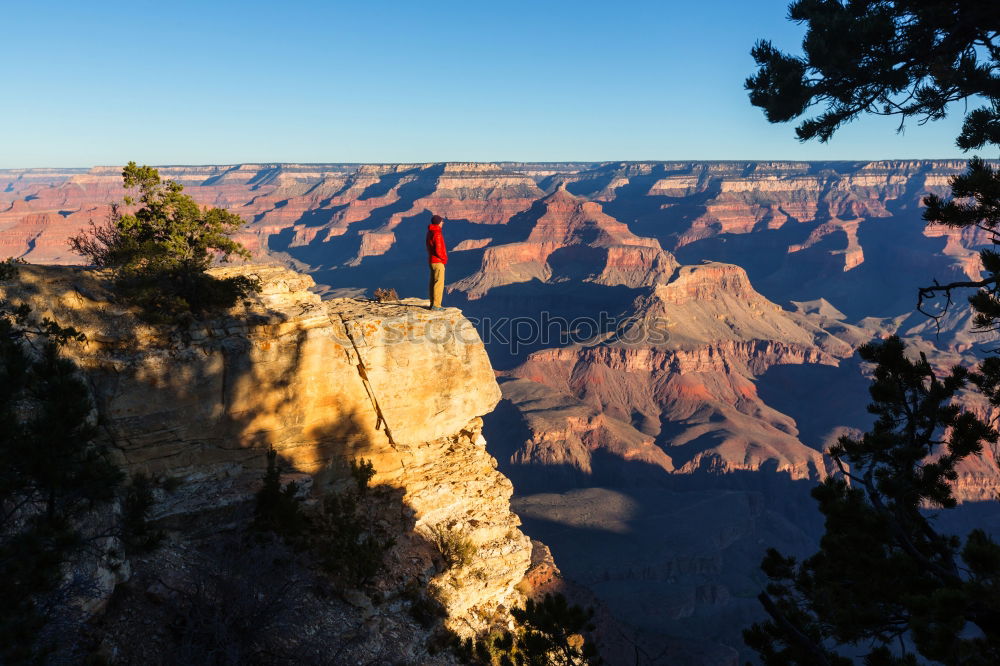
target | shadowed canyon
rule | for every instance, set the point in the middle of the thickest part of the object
(674, 341)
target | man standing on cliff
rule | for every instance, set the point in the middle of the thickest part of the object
(437, 257)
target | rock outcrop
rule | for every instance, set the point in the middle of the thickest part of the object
(322, 383)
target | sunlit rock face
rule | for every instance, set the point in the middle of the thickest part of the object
(569, 238)
(322, 383)
(681, 372)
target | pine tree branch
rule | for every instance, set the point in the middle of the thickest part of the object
(903, 540)
(926, 293)
(792, 632)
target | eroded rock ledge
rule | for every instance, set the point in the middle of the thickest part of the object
(322, 382)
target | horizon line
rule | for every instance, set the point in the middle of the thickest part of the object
(503, 163)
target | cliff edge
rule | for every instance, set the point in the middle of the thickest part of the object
(322, 383)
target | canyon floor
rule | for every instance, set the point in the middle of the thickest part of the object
(675, 341)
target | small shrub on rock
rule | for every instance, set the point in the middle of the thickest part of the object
(341, 533)
(137, 534)
(362, 472)
(278, 508)
(425, 608)
(547, 633)
(345, 539)
(456, 548)
(386, 295)
(9, 268)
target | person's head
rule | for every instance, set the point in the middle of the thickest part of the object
(437, 219)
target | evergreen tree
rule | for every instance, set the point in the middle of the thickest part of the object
(159, 252)
(277, 508)
(137, 503)
(343, 533)
(886, 582)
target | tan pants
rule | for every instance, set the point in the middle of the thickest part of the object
(436, 287)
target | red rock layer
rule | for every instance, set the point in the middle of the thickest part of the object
(615, 256)
(681, 372)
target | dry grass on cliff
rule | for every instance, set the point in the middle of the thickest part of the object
(456, 548)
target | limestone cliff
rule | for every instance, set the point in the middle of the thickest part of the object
(322, 383)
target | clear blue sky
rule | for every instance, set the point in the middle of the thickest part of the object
(207, 82)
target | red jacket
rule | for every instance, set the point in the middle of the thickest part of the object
(436, 253)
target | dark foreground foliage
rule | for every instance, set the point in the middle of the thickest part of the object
(886, 583)
(342, 533)
(240, 607)
(137, 534)
(905, 58)
(549, 632)
(53, 475)
(885, 580)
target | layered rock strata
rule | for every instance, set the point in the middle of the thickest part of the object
(673, 390)
(322, 383)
